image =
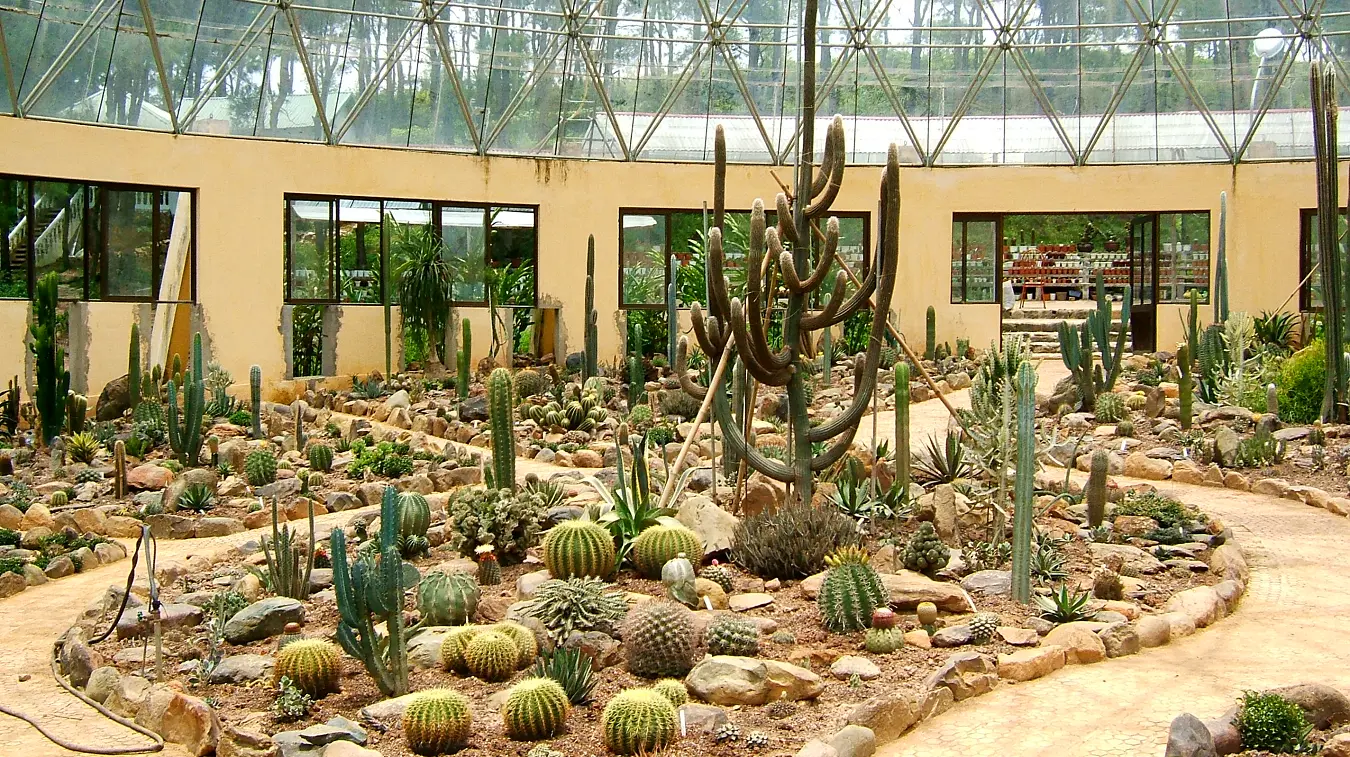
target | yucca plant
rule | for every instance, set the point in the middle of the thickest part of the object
(1275, 330)
(551, 492)
(197, 497)
(1064, 606)
(943, 463)
(571, 669)
(424, 282)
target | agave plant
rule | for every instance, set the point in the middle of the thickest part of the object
(1064, 606)
(571, 668)
(943, 463)
(551, 492)
(1275, 329)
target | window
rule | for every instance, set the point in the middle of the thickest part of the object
(975, 253)
(106, 242)
(339, 250)
(658, 246)
(1183, 256)
(1310, 286)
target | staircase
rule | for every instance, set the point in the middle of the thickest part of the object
(1041, 325)
(18, 249)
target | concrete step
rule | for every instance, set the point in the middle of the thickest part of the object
(1037, 325)
(1054, 314)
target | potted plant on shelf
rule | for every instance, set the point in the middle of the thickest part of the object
(1112, 244)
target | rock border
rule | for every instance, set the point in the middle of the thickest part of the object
(1325, 706)
(968, 675)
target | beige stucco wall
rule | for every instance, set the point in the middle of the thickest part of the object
(241, 184)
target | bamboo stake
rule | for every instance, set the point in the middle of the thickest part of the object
(698, 423)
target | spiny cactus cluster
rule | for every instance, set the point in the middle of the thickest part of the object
(260, 467)
(582, 413)
(673, 690)
(447, 600)
(850, 592)
(730, 635)
(437, 721)
(527, 647)
(530, 383)
(659, 640)
(579, 548)
(1110, 408)
(321, 457)
(575, 604)
(312, 665)
(983, 627)
(453, 646)
(658, 545)
(535, 709)
(720, 575)
(414, 518)
(638, 721)
(925, 552)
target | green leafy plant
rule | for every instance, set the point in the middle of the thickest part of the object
(1301, 383)
(291, 703)
(1064, 606)
(1271, 723)
(571, 669)
(792, 542)
(576, 604)
(425, 279)
(197, 497)
(1275, 329)
(943, 463)
(1165, 510)
(511, 523)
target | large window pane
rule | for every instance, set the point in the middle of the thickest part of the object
(513, 250)
(359, 251)
(128, 254)
(464, 234)
(58, 234)
(13, 238)
(1183, 256)
(975, 253)
(408, 224)
(643, 274)
(1310, 295)
(173, 247)
(311, 241)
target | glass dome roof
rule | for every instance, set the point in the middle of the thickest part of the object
(953, 82)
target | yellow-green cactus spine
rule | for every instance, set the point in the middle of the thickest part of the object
(491, 656)
(849, 594)
(672, 689)
(527, 647)
(535, 709)
(414, 518)
(638, 721)
(454, 645)
(658, 545)
(60, 498)
(501, 418)
(437, 721)
(313, 665)
(255, 399)
(462, 358)
(1023, 489)
(1096, 488)
(578, 549)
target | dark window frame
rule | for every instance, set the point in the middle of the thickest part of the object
(437, 206)
(96, 231)
(1306, 218)
(965, 219)
(668, 213)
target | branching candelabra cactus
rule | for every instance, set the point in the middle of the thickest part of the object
(1076, 347)
(742, 325)
(370, 591)
(185, 437)
(1023, 489)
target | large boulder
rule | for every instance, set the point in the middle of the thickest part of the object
(1134, 559)
(114, 401)
(1029, 664)
(263, 619)
(181, 719)
(135, 623)
(1081, 643)
(1201, 604)
(888, 715)
(730, 680)
(966, 675)
(713, 525)
(1325, 706)
(907, 589)
(1189, 737)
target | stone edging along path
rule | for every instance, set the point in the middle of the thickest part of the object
(886, 718)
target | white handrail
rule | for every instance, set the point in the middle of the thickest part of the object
(50, 245)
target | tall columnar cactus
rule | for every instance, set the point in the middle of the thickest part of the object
(49, 361)
(930, 334)
(740, 398)
(742, 326)
(1334, 293)
(902, 453)
(1185, 387)
(369, 592)
(502, 420)
(590, 364)
(462, 358)
(1076, 347)
(635, 381)
(255, 399)
(120, 470)
(134, 367)
(1221, 264)
(826, 355)
(298, 409)
(185, 437)
(672, 316)
(1096, 488)
(1023, 489)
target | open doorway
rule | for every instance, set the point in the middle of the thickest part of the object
(1056, 267)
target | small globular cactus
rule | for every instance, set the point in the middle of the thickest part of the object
(638, 721)
(527, 646)
(59, 498)
(313, 665)
(720, 575)
(925, 552)
(447, 599)
(927, 615)
(983, 627)
(850, 592)
(672, 689)
(491, 656)
(659, 640)
(290, 635)
(578, 549)
(489, 570)
(535, 709)
(260, 467)
(321, 457)
(454, 645)
(437, 721)
(730, 635)
(883, 637)
(658, 545)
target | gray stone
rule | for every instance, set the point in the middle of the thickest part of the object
(1120, 639)
(388, 710)
(281, 488)
(854, 741)
(263, 619)
(1226, 443)
(1188, 737)
(60, 567)
(713, 525)
(603, 649)
(336, 729)
(1325, 707)
(945, 514)
(702, 718)
(242, 668)
(848, 666)
(101, 683)
(991, 583)
(135, 622)
(1133, 557)
(424, 649)
(528, 582)
(966, 674)
(816, 748)
(78, 660)
(888, 715)
(473, 409)
(11, 584)
(336, 502)
(729, 680)
(953, 636)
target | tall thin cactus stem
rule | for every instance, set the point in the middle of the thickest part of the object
(501, 418)
(1023, 489)
(1323, 84)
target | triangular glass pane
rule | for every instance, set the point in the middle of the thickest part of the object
(980, 137)
(526, 42)
(684, 132)
(437, 117)
(584, 129)
(1285, 131)
(620, 52)
(1262, 42)
(344, 51)
(134, 96)
(1131, 134)
(176, 23)
(469, 41)
(1048, 43)
(767, 63)
(955, 37)
(378, 48)
(19, 20)
(287, 109)
(1109, 44)
(221, 94)
(76, 91)
(728, 106)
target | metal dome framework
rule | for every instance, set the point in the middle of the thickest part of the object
(1050, 82)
